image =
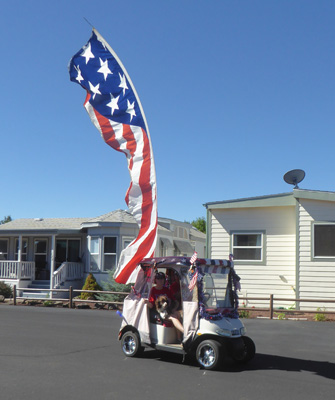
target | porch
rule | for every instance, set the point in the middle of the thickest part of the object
(23, 274)
(17, 270)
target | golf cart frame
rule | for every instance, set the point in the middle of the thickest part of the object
(209, 310)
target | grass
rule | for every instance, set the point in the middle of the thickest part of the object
(320, 316)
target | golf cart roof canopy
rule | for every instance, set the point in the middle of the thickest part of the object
(185, 261)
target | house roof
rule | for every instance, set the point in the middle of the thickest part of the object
(196, 234)
(67, 225)
(274, 200)
(45, 224)
(117, 216)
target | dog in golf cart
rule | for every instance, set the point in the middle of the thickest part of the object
(206, 293)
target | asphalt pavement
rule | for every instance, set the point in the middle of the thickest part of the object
(54, 353)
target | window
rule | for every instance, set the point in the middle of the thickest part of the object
(324, 240)
(183, 233)
(180, 232)
(109, 253)
(162, 249)
(248, 246)
(67, 250)
(126, 242)
(3, 249)
(94, 254)
(23, 249)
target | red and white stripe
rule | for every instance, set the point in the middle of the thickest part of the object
(193, 281)
(141, 196)
(194, 258)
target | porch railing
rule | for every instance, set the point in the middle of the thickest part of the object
(17, 270)
(68, 271)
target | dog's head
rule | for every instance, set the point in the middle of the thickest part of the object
(162, 303)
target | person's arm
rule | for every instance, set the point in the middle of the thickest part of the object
(151, 301)
(147, 302)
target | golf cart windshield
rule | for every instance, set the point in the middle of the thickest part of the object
(215, 291)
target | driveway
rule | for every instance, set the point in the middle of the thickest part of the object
(53, 353)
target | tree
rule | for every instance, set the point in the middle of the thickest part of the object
(90, 284)
(200, 224)
(111, 286)
(6, 219)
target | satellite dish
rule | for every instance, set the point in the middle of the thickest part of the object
(294, 177)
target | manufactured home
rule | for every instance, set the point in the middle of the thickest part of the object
(282, 244)
(60, 252)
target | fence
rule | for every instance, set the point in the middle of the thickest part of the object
(271, 299)
(271, 309)
(70, 293)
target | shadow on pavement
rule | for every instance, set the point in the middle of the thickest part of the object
(271, 362)
(260, 362)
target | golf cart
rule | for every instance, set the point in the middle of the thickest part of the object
(208, 307)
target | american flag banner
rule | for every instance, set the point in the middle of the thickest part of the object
(193, 281)
(194, 258)
(115, 109)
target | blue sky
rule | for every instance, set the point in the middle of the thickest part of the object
(236, 93)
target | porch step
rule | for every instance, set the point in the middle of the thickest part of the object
(39, 285)
(37, 294)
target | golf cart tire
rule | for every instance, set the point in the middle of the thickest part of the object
(209, 354)
(131, 344)
(248, 352)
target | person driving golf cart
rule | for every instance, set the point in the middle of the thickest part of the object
(157, 296)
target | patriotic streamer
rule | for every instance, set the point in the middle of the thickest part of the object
(115, 109)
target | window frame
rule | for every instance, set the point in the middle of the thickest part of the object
(91, 255)
(313, 256)
(262, 247)
(103, 254)
(126, 240)
(5, 254)
(24, 254)
(41, 239)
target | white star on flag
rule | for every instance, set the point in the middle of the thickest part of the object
(113, 103)
(131, 109)
(79, 77)
(104, 68)
(123, 83)
(87, 53)
(94, 89)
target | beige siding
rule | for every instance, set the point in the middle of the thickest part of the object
(278, 223)
(316, 277)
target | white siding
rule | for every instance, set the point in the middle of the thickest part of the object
(316, 277)
(278, 224)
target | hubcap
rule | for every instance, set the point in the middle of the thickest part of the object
(207, 356)
(129, 345)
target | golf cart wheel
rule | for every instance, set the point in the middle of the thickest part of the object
(247, 353)
(131, 344)
(209, 354)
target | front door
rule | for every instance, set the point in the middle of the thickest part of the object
(40, 257)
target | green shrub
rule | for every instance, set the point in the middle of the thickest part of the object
(321, 316)
(90, 284)
(5, 290)
(111, 286)
(244, 313)
(281, 315)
